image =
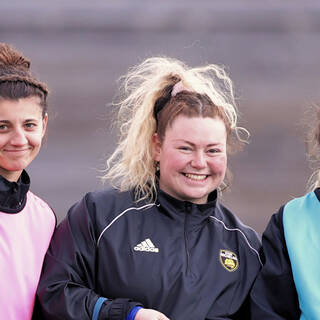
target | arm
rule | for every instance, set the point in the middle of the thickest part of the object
(67, 285)
(273, 295)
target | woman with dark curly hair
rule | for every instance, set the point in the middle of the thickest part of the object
(26, 221)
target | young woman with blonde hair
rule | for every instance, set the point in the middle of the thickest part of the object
(288, 284)
(158, 245)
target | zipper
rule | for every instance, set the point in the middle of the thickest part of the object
(186, 237)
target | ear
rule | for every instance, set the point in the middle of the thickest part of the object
(44, 124)
(156, 147)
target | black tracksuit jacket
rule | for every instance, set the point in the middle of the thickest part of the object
(188, 261)
(274, 295)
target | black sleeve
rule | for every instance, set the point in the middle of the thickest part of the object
(67, 286)
(274, 295)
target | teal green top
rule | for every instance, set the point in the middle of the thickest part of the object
(301, 223)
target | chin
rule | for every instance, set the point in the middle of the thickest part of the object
(17, 167)
(195, 198)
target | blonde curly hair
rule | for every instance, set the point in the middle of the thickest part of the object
(131, 166)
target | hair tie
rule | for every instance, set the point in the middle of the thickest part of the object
(170, 91)
(178, 87)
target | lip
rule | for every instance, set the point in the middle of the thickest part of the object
(196, 177)
(16, 150)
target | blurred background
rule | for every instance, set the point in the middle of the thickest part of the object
(80, 49)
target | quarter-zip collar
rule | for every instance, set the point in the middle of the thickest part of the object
(178, 209)
(13, 194)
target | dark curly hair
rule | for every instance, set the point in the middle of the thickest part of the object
(16, 80)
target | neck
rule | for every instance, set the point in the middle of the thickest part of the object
(12, 176)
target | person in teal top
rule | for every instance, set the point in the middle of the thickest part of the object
(288, 285)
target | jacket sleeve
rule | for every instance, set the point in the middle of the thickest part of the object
(274, 295)
(67, 286)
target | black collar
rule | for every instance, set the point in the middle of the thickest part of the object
(317, 192)
(178, 209)
(13, 194)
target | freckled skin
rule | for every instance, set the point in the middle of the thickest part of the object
(22, 128)
(192, 157)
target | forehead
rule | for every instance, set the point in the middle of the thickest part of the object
(20, 108)
(197, 130)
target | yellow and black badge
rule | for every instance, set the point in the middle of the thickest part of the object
(229, 260)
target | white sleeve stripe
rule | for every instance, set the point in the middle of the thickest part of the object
(121, 214)
(241, 232)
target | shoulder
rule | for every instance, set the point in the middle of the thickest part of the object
(103, 203)
(88, 216)
(32, 198)
(305, 202)
(292, 209)
(109, 197)
(230, 223)
(112, 202)
(110, 208)
(302, 210)
(101, 208)
(39, 205)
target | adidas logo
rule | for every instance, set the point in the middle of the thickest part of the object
(147, 246)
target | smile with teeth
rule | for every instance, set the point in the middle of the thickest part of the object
(195, 176)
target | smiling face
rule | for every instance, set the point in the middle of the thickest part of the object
(192, 157)
(22, 128)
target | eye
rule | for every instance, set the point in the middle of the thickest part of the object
(30, 125)
(3, 127)
(214, 150)
(184, 148)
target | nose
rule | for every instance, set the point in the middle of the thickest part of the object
(18, 137)
(198, 160)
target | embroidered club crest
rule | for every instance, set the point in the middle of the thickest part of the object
(229, 260)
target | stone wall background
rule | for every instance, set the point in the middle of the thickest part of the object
(80, 48)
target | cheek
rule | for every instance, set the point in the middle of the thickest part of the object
(35, 139)
(176, 160)
(3, 141)
(219, 165)
(171, 163)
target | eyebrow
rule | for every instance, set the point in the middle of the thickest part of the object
(193, 144)
(27, 120)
